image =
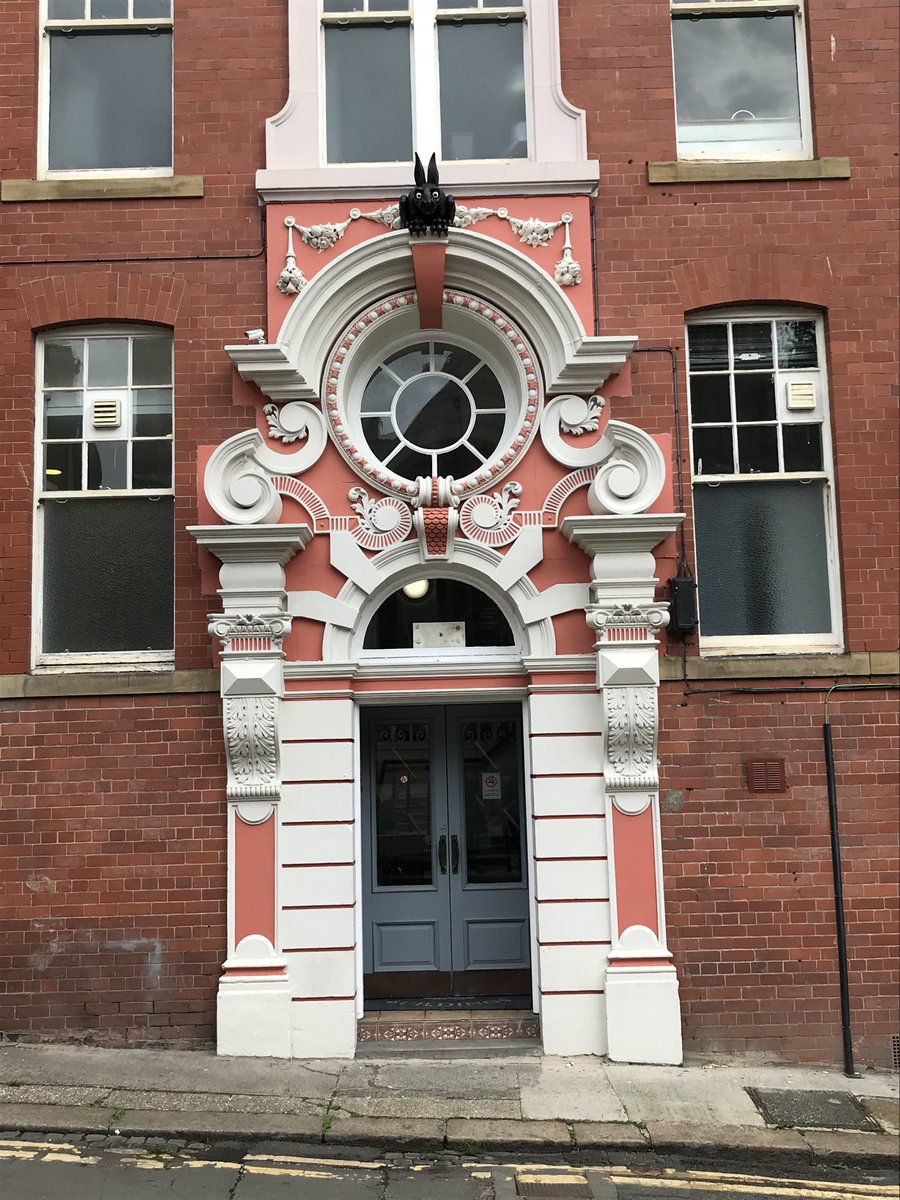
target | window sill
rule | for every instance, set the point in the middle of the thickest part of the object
(171, 187)
(781, 666)
(726, 172)
(125, 682)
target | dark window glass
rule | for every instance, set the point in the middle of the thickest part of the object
(796, 343)
(754, 397)
(62, 467)
(409, 464)
(107, 466)
(757, 449)
(713, 452)
(710, 399)
(412, 360)
(402, 803)
(458, 463)
(152, 8)
(108, 575)
(752, 343)
(151, 464)
(110, 100)
(63, 414)
(445, 600)
(482, 82)
(762, 559)
(66, 10)
(380, 436)
(486, 389)
(708, 345)
(379, 393)
(487, 432)
(151, 412)
(433, 412)
(735, 68)
(802, 447)
(493, 835)
(368, 99)
(109, 9)
(454, 360)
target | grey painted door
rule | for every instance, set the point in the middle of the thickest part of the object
(445, 878)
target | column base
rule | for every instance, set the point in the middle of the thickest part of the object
(643, 1017)
(253, 1007)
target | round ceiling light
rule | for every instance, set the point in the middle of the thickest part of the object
(416, 590)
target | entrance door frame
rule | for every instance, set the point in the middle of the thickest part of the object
(447, 697)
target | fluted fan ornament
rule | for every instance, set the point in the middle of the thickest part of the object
(426, 208)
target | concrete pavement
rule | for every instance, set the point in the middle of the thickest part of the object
(540, 1105)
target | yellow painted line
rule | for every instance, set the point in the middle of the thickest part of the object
(18, 1154)
(83, 1159)
(546, 1177)
(294, 1172)
(208, 1162)
(734, 1189)
(315, 1162)
(16, 1143)
(482, 1175)
(144, 1164)
(730, 1176)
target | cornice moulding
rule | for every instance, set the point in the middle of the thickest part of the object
(637, 532)
(252, 543)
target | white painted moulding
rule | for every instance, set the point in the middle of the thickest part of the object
(312, 719)
(315, 928)
(561, 713)
(318, 760)
(553, 796)
(316, 843)
(317, 885)
(578, 754)
(317, 801)
(578, 921)
(559, 838)
(572, 880)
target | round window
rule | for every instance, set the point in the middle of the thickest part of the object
(406, 403)
(433, 408)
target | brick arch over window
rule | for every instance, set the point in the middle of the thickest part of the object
(102, 296)
(754, 278)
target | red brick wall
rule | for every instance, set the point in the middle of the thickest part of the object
(749, 886)
(112, 860)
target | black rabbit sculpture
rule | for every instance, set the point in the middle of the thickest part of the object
(425, 208)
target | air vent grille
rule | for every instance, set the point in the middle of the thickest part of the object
(106, 413)
(765, 775)
(801, 395)
(895, 1051)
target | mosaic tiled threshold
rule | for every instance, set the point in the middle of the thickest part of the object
(435, 1025)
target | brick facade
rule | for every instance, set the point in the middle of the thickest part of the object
(112, 805)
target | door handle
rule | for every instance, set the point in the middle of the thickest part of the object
(442, 853)
(454, 854)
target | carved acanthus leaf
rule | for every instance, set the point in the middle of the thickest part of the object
(631, 720)
(471, 216)
(579, 416)
(252, 747)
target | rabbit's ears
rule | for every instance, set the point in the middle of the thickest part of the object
(419, 175)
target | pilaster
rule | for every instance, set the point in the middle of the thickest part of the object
(641, 986)
(254, 1000)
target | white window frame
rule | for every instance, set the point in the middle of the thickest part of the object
(759, 644)
(423, 17)
(739, 149)
(44, 170)
(134, 660)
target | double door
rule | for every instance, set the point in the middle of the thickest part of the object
(445, 903)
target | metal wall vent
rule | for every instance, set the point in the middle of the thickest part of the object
(106, 413)
(895, 1050)
(765, 775)
(801, 395)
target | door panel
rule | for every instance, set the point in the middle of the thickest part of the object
(445, 887)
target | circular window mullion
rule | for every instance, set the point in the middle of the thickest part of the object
(433, 416)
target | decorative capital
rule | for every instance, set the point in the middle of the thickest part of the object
(626, 622)
(249, 627)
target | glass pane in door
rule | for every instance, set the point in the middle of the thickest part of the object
(492, 796)
(403, 803)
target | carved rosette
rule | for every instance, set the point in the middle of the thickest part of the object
(380, 523)
(490, 519)
(251, 744)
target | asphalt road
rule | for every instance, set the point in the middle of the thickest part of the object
(57, 1168)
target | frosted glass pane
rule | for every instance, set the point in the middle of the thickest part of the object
(66, 10)
(107, 362)
(64, 363)
(762, 559)
(482, 80)
(110, 101)
(152, 360)
(153, 8)
(109, 9)
(367, 90)
(108, 575)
